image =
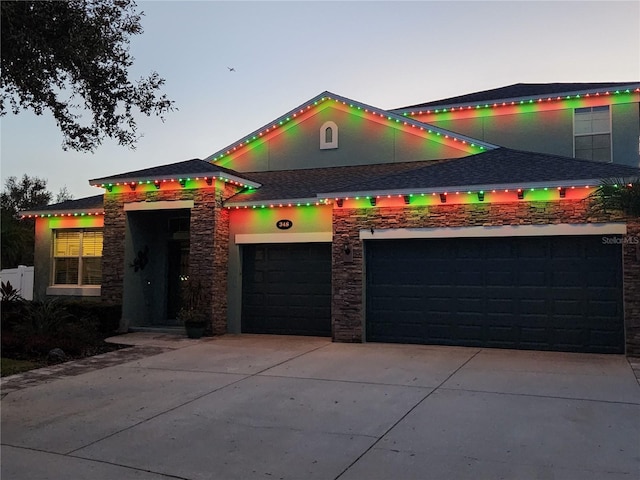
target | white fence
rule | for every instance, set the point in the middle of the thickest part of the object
(21, 279)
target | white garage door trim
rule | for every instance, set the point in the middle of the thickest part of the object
(497, 231)
(310, 237)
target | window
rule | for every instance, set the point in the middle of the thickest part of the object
(592, 133)
(328, 136)
(77, 257)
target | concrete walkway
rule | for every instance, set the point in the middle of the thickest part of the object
(295, 408)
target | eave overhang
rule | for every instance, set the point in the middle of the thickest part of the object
(62, 213)
(631, 90)
(455, 189)
(140, 180)
(281, 202)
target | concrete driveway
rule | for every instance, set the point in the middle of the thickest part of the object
(268, 407)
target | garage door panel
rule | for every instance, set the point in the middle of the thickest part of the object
(534, 306)
(500, 278)
(549, 293)
(567, 278)
(469, 305)
(533, 278)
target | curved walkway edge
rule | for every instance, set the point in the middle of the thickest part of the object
(38, 376)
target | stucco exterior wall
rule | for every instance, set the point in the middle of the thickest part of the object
(43, 253)
(548, 131)
(349, 274)
(361, 141)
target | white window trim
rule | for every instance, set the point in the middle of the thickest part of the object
(68, 288)
(609, 132)
(324, 145)
(75, 290)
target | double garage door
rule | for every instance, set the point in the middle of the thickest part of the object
(544, 293)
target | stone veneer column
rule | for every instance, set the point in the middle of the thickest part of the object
(631, 278)
(209, 250)
(113, 248)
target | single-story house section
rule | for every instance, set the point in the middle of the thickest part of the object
(344, 220)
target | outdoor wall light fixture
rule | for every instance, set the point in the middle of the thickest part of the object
(157, 185)
(182, 182)
(481, 196)
(373, 201)
(407, 199)
(563, 192)
(347, 256)
(520, 194)
(443, 198)
(209, 180)
(133, 186)
(339, 202)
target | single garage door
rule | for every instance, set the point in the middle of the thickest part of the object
(286, 289)
(544, 293)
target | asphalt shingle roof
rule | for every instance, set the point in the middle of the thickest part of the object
(501, 166)
(86, 204)
(187, 167)
(519, 90)
(307, 183)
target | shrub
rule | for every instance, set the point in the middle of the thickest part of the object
(105, 315)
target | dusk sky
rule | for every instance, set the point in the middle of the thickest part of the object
(385, 54)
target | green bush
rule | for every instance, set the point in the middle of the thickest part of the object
(106, 315)
(34, 328)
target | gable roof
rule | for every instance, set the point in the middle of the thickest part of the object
(439, 134)
(91, 205)
(525, 91)
(188, 168)
(498, 168)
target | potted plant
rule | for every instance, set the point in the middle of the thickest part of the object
(193, 312)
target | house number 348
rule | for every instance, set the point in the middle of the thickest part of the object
(284, 224)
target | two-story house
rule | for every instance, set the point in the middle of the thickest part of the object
(466, 221)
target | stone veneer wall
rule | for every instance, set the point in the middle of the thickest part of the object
(348, 274)
(631, 277)
(209, 243)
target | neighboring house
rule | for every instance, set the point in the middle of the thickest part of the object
(345, 220)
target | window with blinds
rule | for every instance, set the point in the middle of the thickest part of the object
(77, 257)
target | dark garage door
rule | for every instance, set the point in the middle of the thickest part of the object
(286, 289)
(542, 293)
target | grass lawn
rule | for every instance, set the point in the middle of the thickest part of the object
(11, 366)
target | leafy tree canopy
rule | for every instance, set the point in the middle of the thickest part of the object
(71, 58)
(17, 236)
(28, 193)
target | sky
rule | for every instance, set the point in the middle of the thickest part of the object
(387, 54)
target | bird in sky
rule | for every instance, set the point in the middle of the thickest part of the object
(231, 69)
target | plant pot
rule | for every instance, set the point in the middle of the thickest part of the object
(194, 329)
